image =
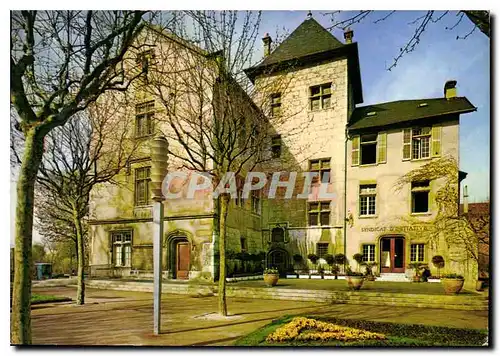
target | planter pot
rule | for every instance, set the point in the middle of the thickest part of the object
(271, 279)
(315, 277)
(370, 278)
(355, 282)
(303, 276)
(452, 286)
(329, 276)
(292, 276)
(416, 278)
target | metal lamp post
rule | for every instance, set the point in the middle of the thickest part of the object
(159, 162)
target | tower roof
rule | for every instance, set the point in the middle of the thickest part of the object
(307, 39)
(311, 43)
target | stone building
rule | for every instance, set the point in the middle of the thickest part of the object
(362, 150)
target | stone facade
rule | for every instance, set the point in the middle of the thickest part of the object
(310, 136)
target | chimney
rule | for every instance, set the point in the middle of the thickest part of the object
(450, 90)
(267, 40)
(348, 35)
(466, 200)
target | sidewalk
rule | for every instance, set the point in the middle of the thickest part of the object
(125, 318)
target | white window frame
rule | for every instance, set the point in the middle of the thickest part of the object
(420, 138)
(121, 244)
(370, 252)
(417, 249)
(368, 194)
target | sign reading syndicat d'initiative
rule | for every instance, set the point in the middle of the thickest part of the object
(395, 228)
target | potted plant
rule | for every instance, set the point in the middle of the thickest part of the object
(335, 271)
(416, 266)
(321, 271)
(358, 258)
(369, 272)
(354, 279)
(271, 276)
(297, 258)
(452, 283)
(329, 259)
(313, 258)
(340, 259)
(438, 262)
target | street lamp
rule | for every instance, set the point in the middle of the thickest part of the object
(159, 162)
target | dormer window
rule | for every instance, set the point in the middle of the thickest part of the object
(320, 97)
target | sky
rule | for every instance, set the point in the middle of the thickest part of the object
(420, 74)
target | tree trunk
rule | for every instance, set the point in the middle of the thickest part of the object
(80, 293)
(20, 331)
(224, 199)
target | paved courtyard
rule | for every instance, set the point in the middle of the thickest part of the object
(125, 318)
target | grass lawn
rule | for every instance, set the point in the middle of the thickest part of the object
(43, 298)
(398, 335)
(341, 285)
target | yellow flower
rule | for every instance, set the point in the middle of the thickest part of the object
(319, 330)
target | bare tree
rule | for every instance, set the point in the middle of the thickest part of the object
(61, 62)
(208, 107)
(90, 149)
(456, 228)
(480, 20)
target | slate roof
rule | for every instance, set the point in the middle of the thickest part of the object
(307, 39)
(310, 43)
(402, 111)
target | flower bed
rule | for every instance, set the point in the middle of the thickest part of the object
(305, 329)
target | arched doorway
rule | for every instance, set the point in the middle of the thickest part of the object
(278, 258)
(392, 254)
(179, 256)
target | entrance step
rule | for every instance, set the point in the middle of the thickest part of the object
(393, 277)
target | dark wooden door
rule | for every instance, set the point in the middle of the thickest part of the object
(183, 255)
(392, 254)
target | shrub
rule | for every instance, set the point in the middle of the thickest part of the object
(297, 258)
(438, 262)
(271, 270)
(349, 272)
(313, 258)
(358, 258)
(340, 259)
(330, 260)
